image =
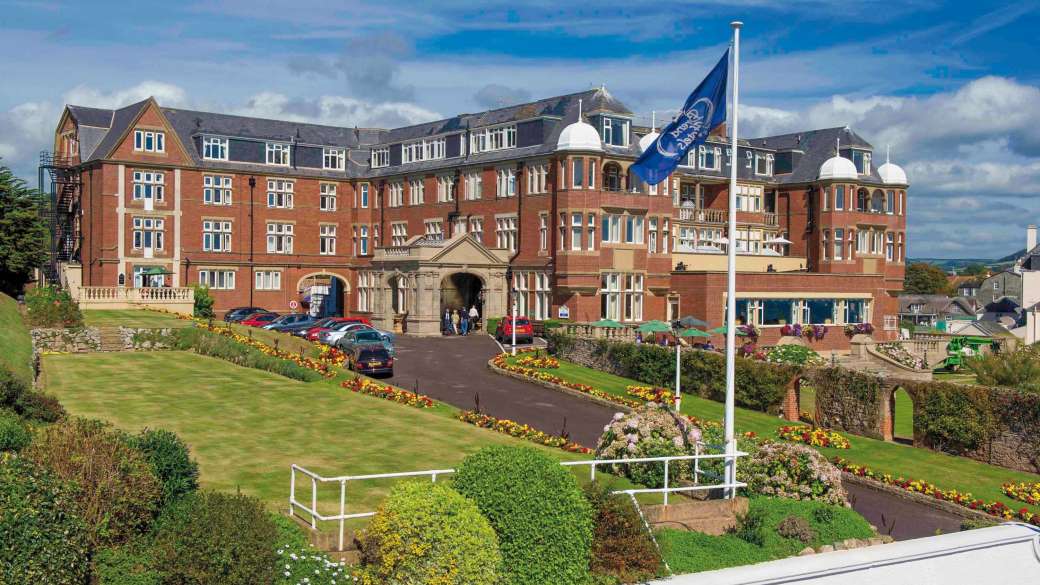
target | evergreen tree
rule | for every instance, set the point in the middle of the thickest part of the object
(24, 235)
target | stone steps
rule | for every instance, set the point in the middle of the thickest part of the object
(327, 542)
(111, 339)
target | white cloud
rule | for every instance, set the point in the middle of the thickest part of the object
(334, 110)
(166, 94)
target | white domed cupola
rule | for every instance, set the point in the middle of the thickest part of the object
(646, 141)
(892, 174)
(838, 167)
(579, 135)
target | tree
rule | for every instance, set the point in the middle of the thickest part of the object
(23, 232)
(203, 302)
(925, 279)
(975, 269)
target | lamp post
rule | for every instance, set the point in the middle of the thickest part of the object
(513, 321)
(678, 391)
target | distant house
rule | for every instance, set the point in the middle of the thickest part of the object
(1004, 310)
(969, 289)
(1003, 284)
(930, 310)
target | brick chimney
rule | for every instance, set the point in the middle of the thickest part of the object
(1030, 237)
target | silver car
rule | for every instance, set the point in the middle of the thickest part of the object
(331, 336)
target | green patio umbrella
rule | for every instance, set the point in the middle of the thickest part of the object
(610, 323)
(155, 271)
(691, 332)
(722, 331)
(689, 321)
(654, 327)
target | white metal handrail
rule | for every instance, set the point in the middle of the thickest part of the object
(297, 507)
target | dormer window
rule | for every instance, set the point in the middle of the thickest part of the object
(149, 141)
(496, 138)
(334, 159)
(381, 157)
(426, 149)
(708, 157)
(763, 164)
(861, 158)
(615, 131)
(278, 154)
(214, 148)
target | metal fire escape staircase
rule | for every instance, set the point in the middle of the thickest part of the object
(59, 178)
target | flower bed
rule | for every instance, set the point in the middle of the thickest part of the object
(650, 394)
(858, 329)
(534, 361)
(900, 355)
(1023, 492)
(500, 361)
(322, 367)
(813, 437)
(965, 499)
(520, 431)
(363, 385)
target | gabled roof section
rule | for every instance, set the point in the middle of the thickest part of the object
(95, 117)
(465, 248)
(122, 119)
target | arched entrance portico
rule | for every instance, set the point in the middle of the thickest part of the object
(324, 294)
(461, 291)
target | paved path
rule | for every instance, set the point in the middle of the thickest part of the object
(454, 369)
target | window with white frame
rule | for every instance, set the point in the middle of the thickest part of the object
(459, 226)
(363, 193)
(763, 164)
(590, 229)
(474, 185)
(839, 197)
(621, 296)
(217, 279)
(445, 188)
(334, 159)
(749, 198)
(365, 291)
(562, 230)
(216, 190)
(363, 240)
(542, 296)
(149, 141)
(505, 232)
(398, 233)
(476, 227)
(520, 289)
(214, 148)
(633, 229)
(537, 179)
(375, 236)
(577, 227)
(268, 280)
(416, 192)
(506, 182)
(890, 246)
(749, 241)
(278, 154)
(615, 131)
(863, 241)
(890, 202)
(578, 172)
(494, 138)
(434, 229)
(216, 235)
(279, 238)
(665, 232)
(148, 185)
(709, 158)
(327, 239)
(148, 233)
(396, 195)
(543, 232)
(839, 243)
(327, 196)
(652, 235)
(381, 157)
(611, 232)
(279, 194)
(425, 149)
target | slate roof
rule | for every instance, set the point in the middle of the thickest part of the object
(934, 304)
(96, 117)
(817, 146)
(121, 120)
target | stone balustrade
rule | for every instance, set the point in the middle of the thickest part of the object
(176, 299)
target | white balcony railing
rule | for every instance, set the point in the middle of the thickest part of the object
(179, 299)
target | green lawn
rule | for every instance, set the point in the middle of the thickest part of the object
(246, 426)
(15, 343)
(142, 318)
(945, 471)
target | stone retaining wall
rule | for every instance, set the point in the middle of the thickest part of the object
(82, 340)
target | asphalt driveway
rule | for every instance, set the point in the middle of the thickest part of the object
(454, 370)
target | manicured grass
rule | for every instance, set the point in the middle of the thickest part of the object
(961, 377)
(691, 552)
(945, 471)
(131, 318)
(246, 427)
(15, 343)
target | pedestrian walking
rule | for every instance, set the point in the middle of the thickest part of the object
(464, 322)
(446, 322)
(474, 317)
(455, 321)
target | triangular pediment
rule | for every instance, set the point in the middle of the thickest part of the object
(465, 249)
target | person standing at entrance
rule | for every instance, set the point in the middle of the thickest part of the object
(446, 324)
(455, 321)
(464, 321)
(474, 317)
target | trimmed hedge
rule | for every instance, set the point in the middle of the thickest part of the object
(44, 541)
(131, 564)
(429, 533)
(543, 521)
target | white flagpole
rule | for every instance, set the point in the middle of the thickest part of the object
(731, 273)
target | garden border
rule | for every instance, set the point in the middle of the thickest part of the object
(918, 498)
(558, 387)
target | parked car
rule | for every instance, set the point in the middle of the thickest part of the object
(524, 330)
(364, 336)
(313, 332)
(299, 325)
(288, 320)
(239, 313)
(259, 319)
(371, 359)
(333, 334)
(319, 324)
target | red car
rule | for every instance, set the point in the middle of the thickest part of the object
(524, 330)
(259, 320)
(313, 332)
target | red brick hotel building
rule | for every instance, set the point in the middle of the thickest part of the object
(535, 198)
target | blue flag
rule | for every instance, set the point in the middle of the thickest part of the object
(703, 111)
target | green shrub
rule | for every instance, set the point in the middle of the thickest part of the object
(38, 406)
(794, 471)
(796, 527)
(429, 533)
(543, 521)
(14, 436)
(203, 302)
(11, 387)
(44, 541)
(621, 546)
(215, 345)
(49, 306)
(213, 537)
(298, 560)
(130, 564)
(692, 552)
(117, 493)
(1013, 369)
(795, 355)
(171, 462)
(751, 527)
(954, 418)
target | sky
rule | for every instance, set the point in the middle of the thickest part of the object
(951, 88)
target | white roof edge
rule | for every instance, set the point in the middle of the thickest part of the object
(1008, 553)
